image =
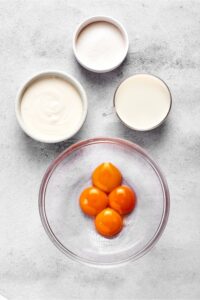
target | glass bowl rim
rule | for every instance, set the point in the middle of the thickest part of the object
(67, 152)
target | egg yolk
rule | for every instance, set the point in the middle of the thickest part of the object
(92, 201)
(108, 222)
(106, 177)
(122, 199)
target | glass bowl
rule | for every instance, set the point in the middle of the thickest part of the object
(73, 232)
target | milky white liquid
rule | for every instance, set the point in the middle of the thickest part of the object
(51, 108)
(142, 101)
(100, 45)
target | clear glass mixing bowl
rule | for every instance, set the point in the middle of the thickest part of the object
(73, 232)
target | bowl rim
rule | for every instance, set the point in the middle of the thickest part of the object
(67, 152)
(94, 19)
(132, 127)
(40, 75)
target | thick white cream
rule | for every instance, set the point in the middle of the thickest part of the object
(51, 108)
(100, 45)
(142, 101)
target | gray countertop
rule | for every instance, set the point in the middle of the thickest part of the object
(164, 40)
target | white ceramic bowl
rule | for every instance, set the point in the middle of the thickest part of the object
(42, 75)
(94, 19)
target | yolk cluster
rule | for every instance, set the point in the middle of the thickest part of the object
(107, 200)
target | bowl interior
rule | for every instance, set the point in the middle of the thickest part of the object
(73, 232)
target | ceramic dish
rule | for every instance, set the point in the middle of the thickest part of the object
(72, 232)
(100, 44)
(71, 83)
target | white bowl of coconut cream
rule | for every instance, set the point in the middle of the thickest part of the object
(100, 44)
(51, 106)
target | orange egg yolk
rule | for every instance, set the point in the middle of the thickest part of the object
(122, 199)
(106, 177)
(108, 222)
(92, 201)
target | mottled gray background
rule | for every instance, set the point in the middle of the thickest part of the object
(164, 40)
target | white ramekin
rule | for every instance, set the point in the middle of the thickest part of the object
(44, 74)
(93, 20)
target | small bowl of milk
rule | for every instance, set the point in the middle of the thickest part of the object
(142, 102)
(51, 107)
(100, 44)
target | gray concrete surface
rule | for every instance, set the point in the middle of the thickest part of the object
(164, 40)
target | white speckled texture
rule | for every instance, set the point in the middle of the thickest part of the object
(164, 37)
